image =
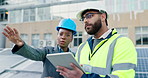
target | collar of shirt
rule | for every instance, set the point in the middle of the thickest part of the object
(104, 35)
(61, 50)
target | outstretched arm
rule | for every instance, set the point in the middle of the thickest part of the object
(23, 49)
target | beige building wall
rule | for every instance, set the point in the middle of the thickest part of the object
(130, 20)
(40, 28)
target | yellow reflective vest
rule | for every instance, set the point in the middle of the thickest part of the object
(115, 57)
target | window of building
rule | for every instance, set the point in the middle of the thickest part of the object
(48, 39)
(143, 4)
(26, 15)
(77, 39)
(47, 36)
(123, 31)
(43, 14)
(24, 37)
(141, 35)
(15, 16)
(35, 40)
(3, 15)
(29, 15)
(32, 15)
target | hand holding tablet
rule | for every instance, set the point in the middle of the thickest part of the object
(63, 59)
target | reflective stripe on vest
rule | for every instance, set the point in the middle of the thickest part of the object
(107, 70)
(80, 48)
(113, 76)
(102, 71)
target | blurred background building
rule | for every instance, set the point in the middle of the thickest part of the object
(123, 6)
(36, 21)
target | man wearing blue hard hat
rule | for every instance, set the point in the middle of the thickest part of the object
(106, 54)
(66, 29)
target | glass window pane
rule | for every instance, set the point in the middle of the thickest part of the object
(15, 16)
(26, 16)
(138, 39)
(80, 41)
(80, 34)
(138, 30)
(145, 39)
(35, 40)
(43, 14)
(141, 35)
(32, 14)
(77, 39)
(118, 30)
(123, 31)
(75, 42)
(47, 36)
(145, 29)
(24, 37)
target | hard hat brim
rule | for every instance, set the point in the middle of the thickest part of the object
(58, 28)
(80, 14)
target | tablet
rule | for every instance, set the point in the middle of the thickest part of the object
(63, 59)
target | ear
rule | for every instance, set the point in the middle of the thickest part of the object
(103, 17)
(71, 38)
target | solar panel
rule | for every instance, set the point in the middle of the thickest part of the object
(141, 75)
(142, 52)
(142, 65)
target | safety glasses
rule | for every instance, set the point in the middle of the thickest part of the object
(90, 15)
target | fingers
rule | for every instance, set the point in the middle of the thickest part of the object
(6, 30)
(16, 32)
(74, 66)
(9, 31)
(75, 73)
(5, 34)
(63, 70)
(81, 65)
(63, 73)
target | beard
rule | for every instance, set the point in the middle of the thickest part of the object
(94, 27)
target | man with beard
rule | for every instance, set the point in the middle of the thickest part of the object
(66, 29)
(104, 55)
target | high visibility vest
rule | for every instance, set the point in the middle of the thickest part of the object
(115, 57)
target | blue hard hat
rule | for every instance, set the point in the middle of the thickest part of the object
(67, 24)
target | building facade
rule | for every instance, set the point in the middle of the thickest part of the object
(41, 19)
(123, 6)
(36, 23)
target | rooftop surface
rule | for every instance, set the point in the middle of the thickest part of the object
(15, 66)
